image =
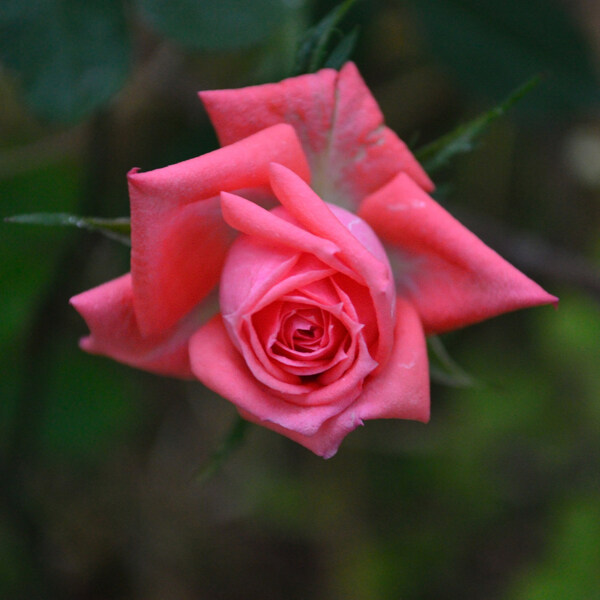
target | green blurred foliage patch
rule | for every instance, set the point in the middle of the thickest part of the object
(209, 25)
(570, 566)
(89, 403)
(493, 46)
(70, 56)
(572, 348)
(465, 137)
(314, 52)
(29, 260)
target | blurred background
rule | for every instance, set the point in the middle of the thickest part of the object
(497, 498)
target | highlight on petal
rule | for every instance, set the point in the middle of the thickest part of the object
(109, 313)
(452, 278)
(179, 237)
(350, 150)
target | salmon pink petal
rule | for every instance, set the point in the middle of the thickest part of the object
(179, 238)
(326, 441)
(218, 364)
(251, 219)
(350, 151)
(449, 274)
(109, 314)
(368, 259)
(401, 389)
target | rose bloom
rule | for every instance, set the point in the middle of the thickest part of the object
(314, 225)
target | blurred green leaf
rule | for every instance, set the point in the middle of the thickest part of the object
(208, 25)
(572, 557)
(71, 57)
(442, 368)
(312, 51)
(116, 229)
(492, 46)
(571, 347)
(343, 51)
(463, 138)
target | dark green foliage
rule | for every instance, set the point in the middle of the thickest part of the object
(209, 25)
(70, 56)
(465, 137)
(314, 50)
(493, 46)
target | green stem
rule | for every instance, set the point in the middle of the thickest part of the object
(230, 443)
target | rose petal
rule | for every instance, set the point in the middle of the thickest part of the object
(448, 273)
(350, 151)
(218, 364)
(108, 312)
(269, 227)
(325, 442)
(179, 238)
(322, 220)
(399, 391)
(363, 153)
(255, 275)
(310, 393)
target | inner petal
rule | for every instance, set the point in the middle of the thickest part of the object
(302, 330)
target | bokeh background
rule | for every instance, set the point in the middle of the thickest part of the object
(497, 498)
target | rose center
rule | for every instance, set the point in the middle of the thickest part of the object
(302, 330)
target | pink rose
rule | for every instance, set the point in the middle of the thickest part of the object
(316, 332)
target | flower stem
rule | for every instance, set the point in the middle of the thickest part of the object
(230, 443)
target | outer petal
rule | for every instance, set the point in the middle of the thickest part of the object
(179, 238)
(108, 312)
(220, 366)
(350, 151)
(326, 441)
(449, 274)
(399, 391)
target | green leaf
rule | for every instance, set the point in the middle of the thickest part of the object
(312, 50)
(343, 51)
(70, 56)
(442, 368)
(115, 229)
(209, 25)
(463, 138)
(491, 46)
